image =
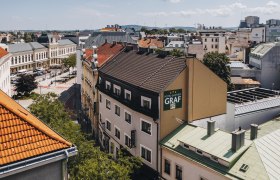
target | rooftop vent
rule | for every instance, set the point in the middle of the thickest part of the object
(244, 168)
(238, 137)
(210, 127)
(254, 131)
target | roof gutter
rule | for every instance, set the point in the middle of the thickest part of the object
(34, 162)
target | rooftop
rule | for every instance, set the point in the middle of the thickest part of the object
(260, 156)
(99, 38)
(21, 47)
(262, 49)
(145, 70)
(3, 52)
(250, 95)
(244, 81)
(104, 52)
(150, 42)
(23, 135)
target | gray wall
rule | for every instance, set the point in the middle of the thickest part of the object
(52, 171)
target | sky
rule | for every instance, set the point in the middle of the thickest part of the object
(94, 14)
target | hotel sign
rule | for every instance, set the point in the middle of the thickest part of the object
(172, 99)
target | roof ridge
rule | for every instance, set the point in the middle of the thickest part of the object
(28, 117)
(156, 71)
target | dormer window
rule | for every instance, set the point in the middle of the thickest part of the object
(117, 90)
(108, 86)
(146, 102)
(127, 95)
(186, 146)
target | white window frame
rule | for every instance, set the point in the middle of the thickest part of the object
(129, 138)
(126, 111)
(146, 122)
(108, 83)
(146, 149)
(146, 99)
(127, 92)
(118, 88)
(115, 127)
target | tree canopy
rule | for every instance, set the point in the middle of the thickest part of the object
(177, 53)
(90, 161)
(26, 84)
(218, 63)
(70, 61)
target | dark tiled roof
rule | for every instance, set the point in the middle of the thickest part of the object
(147, 71)
(99, 38)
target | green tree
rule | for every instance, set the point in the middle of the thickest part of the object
(70, 62)
(26, 84)
(218, 63)
(177, 53)
(90, 161)
(180, 30)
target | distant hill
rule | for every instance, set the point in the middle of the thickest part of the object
(138, 27)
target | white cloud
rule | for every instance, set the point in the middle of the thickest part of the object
(222, 10)
(174, 1)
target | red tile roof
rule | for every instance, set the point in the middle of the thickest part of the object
(3, 52)
(105, 52)
(149, 42)
(22, 135)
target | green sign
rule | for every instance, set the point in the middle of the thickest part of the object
(172, 99)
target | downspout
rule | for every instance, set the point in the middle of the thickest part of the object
(159, 105)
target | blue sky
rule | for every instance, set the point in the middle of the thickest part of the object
(93, 14)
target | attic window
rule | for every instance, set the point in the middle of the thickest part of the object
(199, 152)
(214, 158)
(186, 146)
(244, 168)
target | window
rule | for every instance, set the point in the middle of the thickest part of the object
(186, 146)
(108, 104)
(117, 110)
(127, 95)
(117, 90)
(146, 127)
(117, 133)
(127, 117)
(178, 172)
(199, 152)
(108, 125)
(205, 40)
(127, 140)
(100, 80)
(117, 152)
(112, 148)
(146, 102)
(146, 153)
(216, 46)
(100, 97)
(108, 85)
(167, 166)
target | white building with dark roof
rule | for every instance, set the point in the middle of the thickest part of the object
(5, 84)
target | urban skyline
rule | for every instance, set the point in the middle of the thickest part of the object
(96, 14)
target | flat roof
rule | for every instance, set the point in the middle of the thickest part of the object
(250, 95)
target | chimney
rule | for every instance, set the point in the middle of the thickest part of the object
(210, 127)
(237, 140)
(254, 131)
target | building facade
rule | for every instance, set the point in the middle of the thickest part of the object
(5, 82)
(213, 40)
(140, 105)
(94, 58)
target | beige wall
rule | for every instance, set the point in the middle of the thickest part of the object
(204, 95)
(190, 169)
(207, 92)
(168, 120)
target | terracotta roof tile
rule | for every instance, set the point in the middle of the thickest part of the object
(150, 42)
(22, 135)
(3, 52)
(104, 52)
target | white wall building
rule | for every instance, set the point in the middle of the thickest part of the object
(5, 83)
(213, 40)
